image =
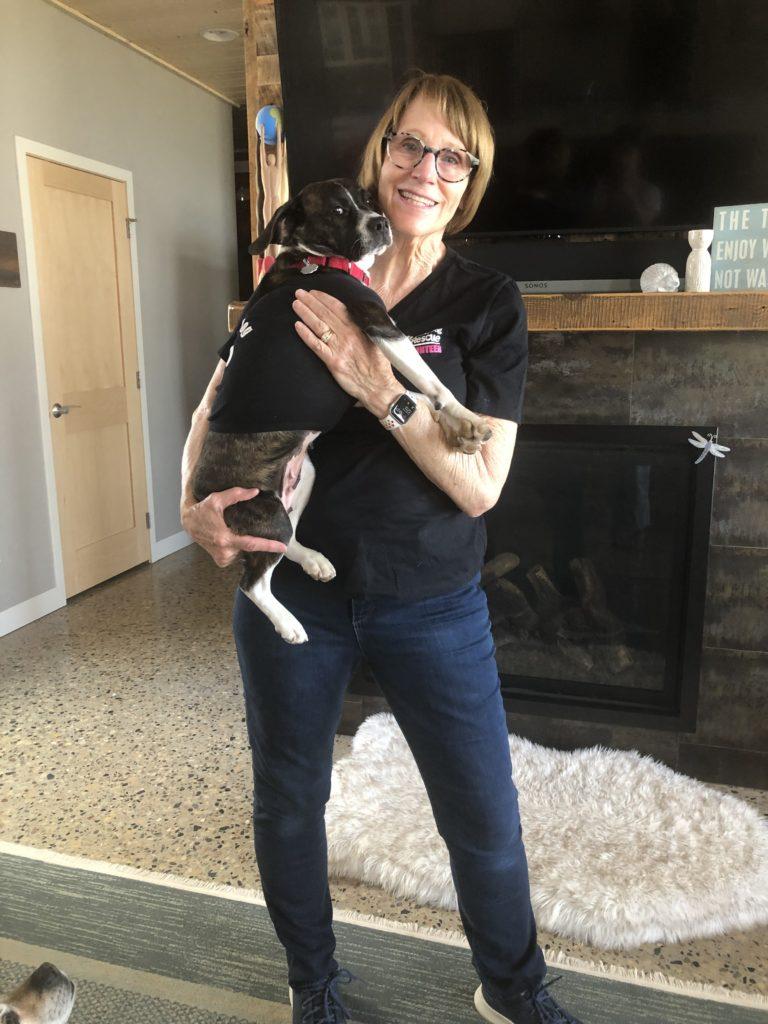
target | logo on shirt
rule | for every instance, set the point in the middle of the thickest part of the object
(428, 343)
(245, 328)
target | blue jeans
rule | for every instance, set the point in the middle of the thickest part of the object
(434, 661)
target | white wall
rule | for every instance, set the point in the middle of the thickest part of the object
(66, 85)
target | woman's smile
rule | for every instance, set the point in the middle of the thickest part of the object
(416, 199)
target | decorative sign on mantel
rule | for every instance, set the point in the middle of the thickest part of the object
(740, 249)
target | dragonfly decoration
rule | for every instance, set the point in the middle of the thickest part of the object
(709, 444)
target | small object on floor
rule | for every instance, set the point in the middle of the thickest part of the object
(46, 996)
(535, 1008)
(321, 1004)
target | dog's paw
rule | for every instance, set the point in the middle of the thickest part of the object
(291, 630)
(464, 431)
(317, 566)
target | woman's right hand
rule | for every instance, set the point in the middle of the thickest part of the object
(204, 522)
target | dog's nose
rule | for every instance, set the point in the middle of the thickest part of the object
(46, 976)
(379, 224)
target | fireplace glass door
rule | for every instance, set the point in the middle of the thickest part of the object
(596, 572)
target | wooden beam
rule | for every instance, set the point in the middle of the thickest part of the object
(652, 311)
(634, 311)
(262, 86)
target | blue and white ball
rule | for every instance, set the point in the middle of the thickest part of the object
(269, 122)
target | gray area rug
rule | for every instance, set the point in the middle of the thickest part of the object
(110, 1005)
(140, 951)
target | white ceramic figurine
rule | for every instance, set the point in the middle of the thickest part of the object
(659, 277)
(698, 267)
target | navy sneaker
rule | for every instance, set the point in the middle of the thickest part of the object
(526, 1008)
(321, 1003)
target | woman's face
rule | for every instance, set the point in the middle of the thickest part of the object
(415, 199)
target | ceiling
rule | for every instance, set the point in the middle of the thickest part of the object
(169, 31)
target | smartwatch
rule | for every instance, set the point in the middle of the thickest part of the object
(400, 411)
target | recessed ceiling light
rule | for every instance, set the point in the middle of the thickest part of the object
(219, 35)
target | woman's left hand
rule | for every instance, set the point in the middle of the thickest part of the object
(357, 365)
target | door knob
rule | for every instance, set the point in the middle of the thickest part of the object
(62, 410)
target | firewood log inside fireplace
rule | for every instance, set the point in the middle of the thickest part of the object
(509, 605)
(499, 566)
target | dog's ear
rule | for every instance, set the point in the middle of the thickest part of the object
(280, 229)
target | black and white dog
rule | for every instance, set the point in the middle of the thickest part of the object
(336, 218)
(45, 997)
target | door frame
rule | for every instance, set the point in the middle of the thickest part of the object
(25, 148)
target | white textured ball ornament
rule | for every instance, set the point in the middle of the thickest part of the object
(659, 277)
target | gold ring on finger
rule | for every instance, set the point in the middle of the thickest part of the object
(327, 336)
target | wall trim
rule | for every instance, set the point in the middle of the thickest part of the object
(169, 545)
(35, 608)
(29, 147)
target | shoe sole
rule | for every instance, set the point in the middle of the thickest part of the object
(487, 1012)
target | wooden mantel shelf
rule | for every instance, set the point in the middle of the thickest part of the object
(635, 311)
(657, 311)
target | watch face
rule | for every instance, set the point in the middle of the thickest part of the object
(403, 408)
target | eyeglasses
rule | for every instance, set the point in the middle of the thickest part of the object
(452, 165)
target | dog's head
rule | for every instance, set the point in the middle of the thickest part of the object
(46, 997)
(329, 218)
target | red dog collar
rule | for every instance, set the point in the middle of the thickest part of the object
(337, 263)
(309, 262)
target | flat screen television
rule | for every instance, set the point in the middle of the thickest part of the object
(628, 118)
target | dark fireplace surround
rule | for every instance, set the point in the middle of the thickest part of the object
(628, 585)
(596, 573)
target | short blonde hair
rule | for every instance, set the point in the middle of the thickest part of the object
(466, 117)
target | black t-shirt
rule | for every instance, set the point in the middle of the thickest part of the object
(273, 381)
(388, 529)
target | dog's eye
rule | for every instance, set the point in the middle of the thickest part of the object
(339, 209)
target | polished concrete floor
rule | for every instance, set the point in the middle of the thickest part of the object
(123, 739)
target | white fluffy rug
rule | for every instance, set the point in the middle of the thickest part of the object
(621, 850)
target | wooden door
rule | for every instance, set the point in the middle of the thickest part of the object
(83, 261)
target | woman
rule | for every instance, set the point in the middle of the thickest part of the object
(398, 513)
